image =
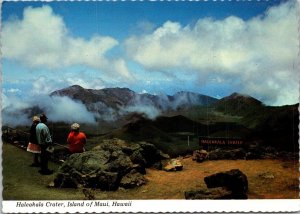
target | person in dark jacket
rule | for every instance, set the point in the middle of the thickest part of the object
(33, 146)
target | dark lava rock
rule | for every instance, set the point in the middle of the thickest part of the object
(137, 158)
(223, 154)
(213, 193)
(200, 155)
(112, 164)
(254, 151)
(96, 169)
(132, 179)
(158, 165)
(253, 156)
(144, 154)
(232, 184)
(150, 153)
(234, 180)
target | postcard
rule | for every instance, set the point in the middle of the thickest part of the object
(150, 106)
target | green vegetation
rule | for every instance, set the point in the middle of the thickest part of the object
(205, 115)
(22, 182)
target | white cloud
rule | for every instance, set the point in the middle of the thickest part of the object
(67, 110)
(58, 109)
(12, 107)
(43, 85)
(148, 110)
(260, 55)
(89, 83)
(5, 101)
(41, 40)
(13, 90)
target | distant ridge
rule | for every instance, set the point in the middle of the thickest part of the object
(111, 97)
(116, 98)
(238, 104)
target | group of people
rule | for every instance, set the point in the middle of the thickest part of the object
(40, 142)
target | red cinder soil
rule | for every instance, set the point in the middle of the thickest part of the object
(283, 183)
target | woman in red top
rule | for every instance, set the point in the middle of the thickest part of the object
(76, 139)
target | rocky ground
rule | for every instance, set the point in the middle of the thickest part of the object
(267, 179)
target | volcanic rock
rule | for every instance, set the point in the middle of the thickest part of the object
(144, 154)
(254, 152)
(112, 164)
(173, 165)
(224, 154)
(232, 184)
(132, 179)
(200, 155)
(158, 165)
(234, 180)
(212, 193)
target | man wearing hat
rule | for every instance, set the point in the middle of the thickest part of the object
(44, 140)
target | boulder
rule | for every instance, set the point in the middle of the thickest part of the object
(200, 155)
(132, 179)
(151, 153)
(137, 158)
(234, 180)
(173, 165)
(213, 193)
(158, 165)
(110, 165)
(95, 169)
(232, 184)
(254, 152)
(144, 154)
(225, 154)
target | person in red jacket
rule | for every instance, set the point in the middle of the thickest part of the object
(76, 139)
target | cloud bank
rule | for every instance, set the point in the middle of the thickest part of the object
(41, 40)
(260, 55)
(57, 109)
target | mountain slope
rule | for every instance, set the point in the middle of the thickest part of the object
(274, 126)
(118, 98)
(277, 126)
(238, 105)
(111, 97)
(171, 134)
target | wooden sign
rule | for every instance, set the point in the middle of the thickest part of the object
(220, 142)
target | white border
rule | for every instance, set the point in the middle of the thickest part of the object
(257, 205)
(250, 205)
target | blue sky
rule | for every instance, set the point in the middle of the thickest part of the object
(84, 19)
(213, 48)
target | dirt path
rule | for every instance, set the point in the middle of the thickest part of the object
(23, 182)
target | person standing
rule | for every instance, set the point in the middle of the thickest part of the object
(44, 140)
(76, 139)
(33, 146)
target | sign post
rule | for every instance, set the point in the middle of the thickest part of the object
(208, 143)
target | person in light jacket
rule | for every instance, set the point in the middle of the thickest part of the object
(44, 140)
